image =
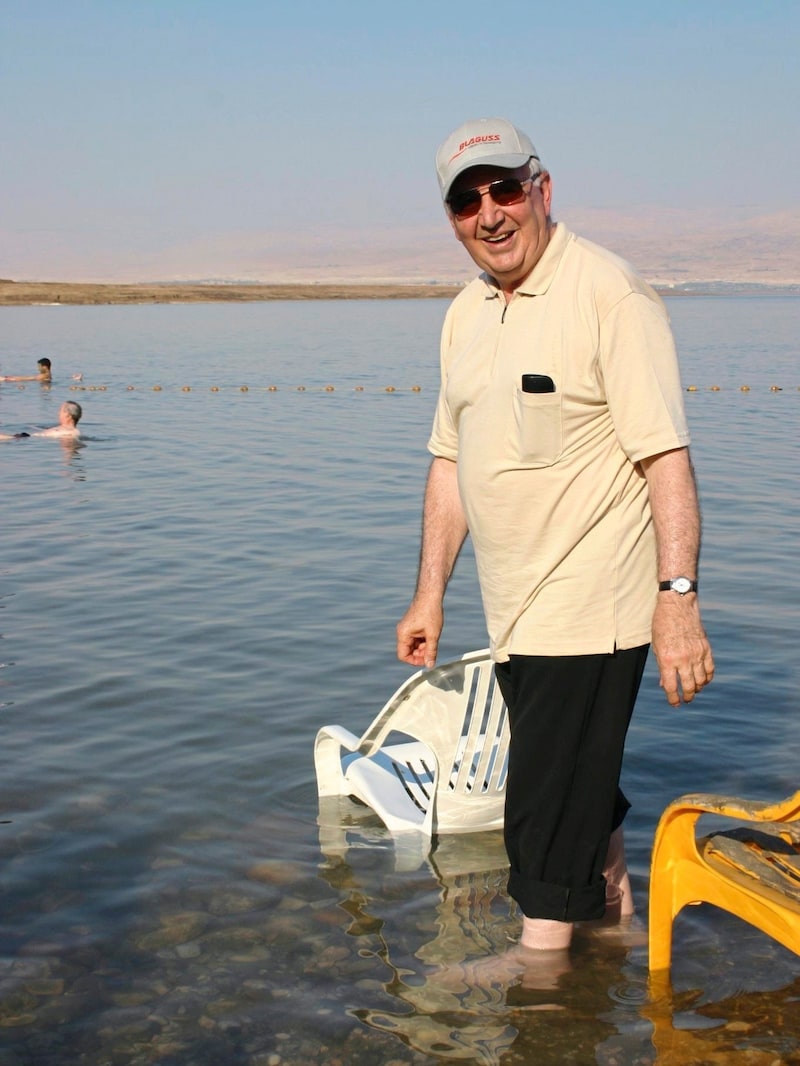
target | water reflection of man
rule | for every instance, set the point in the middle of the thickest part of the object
(450, 1008)
(44, 373)
(561, 446)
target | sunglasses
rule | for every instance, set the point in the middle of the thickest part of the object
(504, 192)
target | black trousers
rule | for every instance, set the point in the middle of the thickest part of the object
(569, 715)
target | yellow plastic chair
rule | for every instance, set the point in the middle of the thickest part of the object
(752, 870)
(445, 768)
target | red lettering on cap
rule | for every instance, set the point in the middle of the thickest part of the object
(473, 142)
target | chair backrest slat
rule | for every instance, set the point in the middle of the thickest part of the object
(483, 752)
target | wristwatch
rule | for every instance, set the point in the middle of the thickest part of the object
(681, 585)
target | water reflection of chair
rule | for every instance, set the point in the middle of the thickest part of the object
(449, 1020)
(448, 772)
(753, 871)
(747, 1029)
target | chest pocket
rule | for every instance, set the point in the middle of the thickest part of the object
(539, 432)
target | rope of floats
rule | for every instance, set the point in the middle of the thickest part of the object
(356, 388)
(331, 388)
(249, 388)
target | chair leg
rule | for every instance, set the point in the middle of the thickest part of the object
(660, 920)
(674, 848)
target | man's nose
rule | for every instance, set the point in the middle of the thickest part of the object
(490, 213)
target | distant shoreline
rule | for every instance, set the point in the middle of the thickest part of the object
(29, 293)
(24, 293)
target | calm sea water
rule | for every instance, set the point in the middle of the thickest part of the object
(213, 574)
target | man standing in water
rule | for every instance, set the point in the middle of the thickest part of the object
(561, 446)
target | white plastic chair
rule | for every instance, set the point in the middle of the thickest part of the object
(447, 774)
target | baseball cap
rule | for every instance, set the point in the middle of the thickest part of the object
(482, 142)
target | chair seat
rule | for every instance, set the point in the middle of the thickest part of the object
(398, 780)
(758, 859)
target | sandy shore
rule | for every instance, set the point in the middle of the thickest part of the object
(21, 293)
(28, 293)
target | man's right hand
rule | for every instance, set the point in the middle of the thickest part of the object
(418, 633)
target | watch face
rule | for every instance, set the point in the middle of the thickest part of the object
(681, 585)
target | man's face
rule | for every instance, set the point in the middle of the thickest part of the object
(506, 242)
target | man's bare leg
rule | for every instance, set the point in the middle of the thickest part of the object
(619, 898)
(543, 934)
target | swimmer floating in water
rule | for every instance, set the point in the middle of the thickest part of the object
(44, 375)
(69, 415)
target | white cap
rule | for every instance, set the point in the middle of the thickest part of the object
(482, 142)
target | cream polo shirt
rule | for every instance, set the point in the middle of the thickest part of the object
(556, 503)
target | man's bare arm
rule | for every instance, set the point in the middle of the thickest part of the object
(680, 643)
(444, 529)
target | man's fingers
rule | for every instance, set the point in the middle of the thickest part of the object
(431, 651)
(682, 686)
(669, 683)
(416, 649)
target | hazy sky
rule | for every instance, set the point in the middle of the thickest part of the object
(135, 127)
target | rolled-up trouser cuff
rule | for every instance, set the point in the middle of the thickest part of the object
(556, 902)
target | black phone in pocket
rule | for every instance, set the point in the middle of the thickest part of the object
(537, 383)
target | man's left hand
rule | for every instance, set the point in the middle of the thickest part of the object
(681, 647)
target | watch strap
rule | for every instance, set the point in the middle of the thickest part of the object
(675, 584)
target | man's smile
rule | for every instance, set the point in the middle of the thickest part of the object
(498, 238)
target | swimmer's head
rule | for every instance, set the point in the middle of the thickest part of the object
(74, 410)
(44, 364)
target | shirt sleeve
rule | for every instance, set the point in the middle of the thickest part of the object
(640, 370)
(443, 442)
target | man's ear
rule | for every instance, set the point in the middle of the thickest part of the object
(546, 185)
